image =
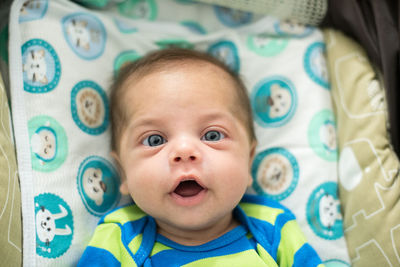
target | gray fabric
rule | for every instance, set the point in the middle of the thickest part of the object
(310, 12)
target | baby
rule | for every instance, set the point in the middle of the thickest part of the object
(183, 138)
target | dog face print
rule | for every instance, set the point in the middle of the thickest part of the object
(142, 10)
(93, 185)
(46, 224)
(328, 136)
(90, 107)
(329, 210)
(44, 143)
(35, 66)
(319, 65)
(79, 33)
(279, 101)
(292, 27)
(274, 174)
(261, 40)
(29, 5)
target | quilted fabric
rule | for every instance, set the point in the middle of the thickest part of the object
(368, 166)
(10, 194)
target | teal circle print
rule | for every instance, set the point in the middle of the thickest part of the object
(174, 43)
(186, 2)
(95, 3)
(232, 17)
(124, 58)
(275, 173)
(322, 136)
(265, 45)
(289, 28)
(138, 9)
(226, 52)
(33, 10)
(54, 225)
(89, 107)
(315, 64)
(194, 27)
(98, 185)
(323, 212)
(274, 101)
(125, 26)
(41, 66)
(85, 35)
(49, 143)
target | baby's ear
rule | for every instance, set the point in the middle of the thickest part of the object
(252, 152)
(123, 188)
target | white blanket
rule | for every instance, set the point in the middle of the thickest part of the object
(59, 94)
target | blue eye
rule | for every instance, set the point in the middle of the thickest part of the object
(154, 140)
(213, 136)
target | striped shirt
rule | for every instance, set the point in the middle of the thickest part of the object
(268, 235)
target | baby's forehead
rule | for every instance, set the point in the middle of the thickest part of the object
(189, 64)
(213, 81)
(200, 68)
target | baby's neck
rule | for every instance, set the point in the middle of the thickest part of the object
(197, 237)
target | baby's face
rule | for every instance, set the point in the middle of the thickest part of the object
(185, 156)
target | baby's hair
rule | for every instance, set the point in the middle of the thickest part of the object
(162, 60)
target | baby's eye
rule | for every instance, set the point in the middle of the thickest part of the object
(154, 140)
(213, 136)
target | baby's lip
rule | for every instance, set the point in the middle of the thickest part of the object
(187, 186)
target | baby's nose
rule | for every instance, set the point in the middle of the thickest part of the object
(185, 151)
(189, 158)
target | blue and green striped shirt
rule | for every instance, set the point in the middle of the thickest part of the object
(268, 235)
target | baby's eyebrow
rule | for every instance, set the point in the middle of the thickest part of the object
(137, 127)
(143, 122)
(218, 116)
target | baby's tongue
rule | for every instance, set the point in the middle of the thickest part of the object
(188, 189)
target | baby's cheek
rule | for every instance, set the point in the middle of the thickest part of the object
(234, 172)
(147, 176)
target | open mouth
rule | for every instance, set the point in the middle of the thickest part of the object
(188, 188)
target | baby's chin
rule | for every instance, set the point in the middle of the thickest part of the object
(196, 231)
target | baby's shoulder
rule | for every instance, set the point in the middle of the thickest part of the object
(114, 239)
(123, 214)
(264, 209)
